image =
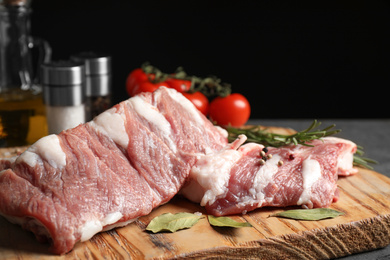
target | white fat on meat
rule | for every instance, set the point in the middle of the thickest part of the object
(345, 159)
(153, 116)
(119, 224)
(222, 131)
(47, 148)
(345, 164)
(111, 124)
(263, 177)
(90, 228)
(211, 173)
(311, 173)
(94, 226)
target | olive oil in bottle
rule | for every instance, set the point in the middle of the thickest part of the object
(22, 113)
(22, 117)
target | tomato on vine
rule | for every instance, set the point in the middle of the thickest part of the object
(225, 109)
(133, 79)
(232, 110)
(139, 81)
(181, 85)
(199, 100)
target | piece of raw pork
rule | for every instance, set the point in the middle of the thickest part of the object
(234, 180)
(106, 173)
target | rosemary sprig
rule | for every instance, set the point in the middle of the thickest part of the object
(361, 161)
(262, 136)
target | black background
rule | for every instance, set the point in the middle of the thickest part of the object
(290, 59)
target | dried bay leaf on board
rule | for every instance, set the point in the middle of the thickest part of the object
(173, 222)
(309, 214)
(226, 222)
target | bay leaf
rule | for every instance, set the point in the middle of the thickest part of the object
(309, 214)
(173, 222)
(226, 222)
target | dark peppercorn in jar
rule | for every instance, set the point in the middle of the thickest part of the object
(98, 82)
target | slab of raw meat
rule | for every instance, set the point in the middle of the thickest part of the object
(232, 180)
(106, 173)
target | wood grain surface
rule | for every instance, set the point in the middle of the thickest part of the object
(364, 198)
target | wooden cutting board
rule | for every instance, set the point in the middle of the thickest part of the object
(364, 198)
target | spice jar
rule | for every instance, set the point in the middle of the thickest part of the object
(63, 94)
(97, 82)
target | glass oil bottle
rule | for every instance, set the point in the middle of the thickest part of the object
(22, 112)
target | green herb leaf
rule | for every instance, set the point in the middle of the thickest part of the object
(226, 222)
(308, 214)
(173, 222)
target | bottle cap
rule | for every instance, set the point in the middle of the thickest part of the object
(63, 83)
(95, 63)
(98, 72)
(63, 73)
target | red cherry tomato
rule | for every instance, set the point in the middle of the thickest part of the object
(147, 86)
(233, 110)
(180, 85)
(199, 100)
(133, 79)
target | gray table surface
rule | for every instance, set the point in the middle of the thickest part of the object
(372, 134)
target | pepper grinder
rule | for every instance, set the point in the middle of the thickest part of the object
(98, 82)
(63, 94)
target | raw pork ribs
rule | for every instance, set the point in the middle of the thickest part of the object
(108, 172)
(233, 180)
(139, 154)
